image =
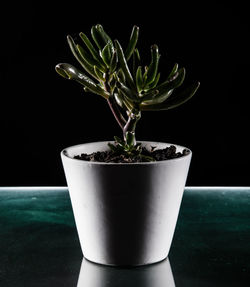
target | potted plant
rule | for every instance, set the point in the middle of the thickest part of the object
(125, 194)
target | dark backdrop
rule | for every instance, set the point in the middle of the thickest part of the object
(41, 113)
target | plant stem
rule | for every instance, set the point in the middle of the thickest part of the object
(113, 105)
(129, 128)
(116, 112)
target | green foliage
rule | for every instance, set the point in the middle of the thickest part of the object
(128, 149)
(119, 76)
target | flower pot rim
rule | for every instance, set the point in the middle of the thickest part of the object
(64, 154)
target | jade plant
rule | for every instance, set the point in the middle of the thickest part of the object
(118, 75)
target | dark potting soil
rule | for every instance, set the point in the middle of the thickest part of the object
(112, 157)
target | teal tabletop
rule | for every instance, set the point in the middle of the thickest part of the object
(39, 245)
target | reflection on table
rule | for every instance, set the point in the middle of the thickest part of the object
(154, 275)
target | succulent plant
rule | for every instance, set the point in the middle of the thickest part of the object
(118, 76)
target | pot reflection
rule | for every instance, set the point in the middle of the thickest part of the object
(155, 275)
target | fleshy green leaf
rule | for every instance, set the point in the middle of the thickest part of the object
(124, 65)
(91, 48)
(173, 72)
(118, 99)
(121, 76)
(145, 75)
(153, 67)
(158, 98)
(99, 36)
(129, 94)
(104, 35)
(139, 79)
(132, 42)
(172, 83)
(113, 62)
(107, 53)
(150, 95)
(73, 73)
(154, 83)
(89, 58)
(80, 59)
(96, 36)
(165, 90)
(99, 73)
(174, 101)
(136, 61)
(126, 101)
(61, 72)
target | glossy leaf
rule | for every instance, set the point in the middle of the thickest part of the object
(126, 101)
(119, 100)
(158, 98)
(61, 71)
(173, 83)
(121, 76)
(111, 82)
(153, 67)
(79, 58)
(127, 91)
(124, 65)
(150, 95)
(99, 36)
(166, 89)
(136, 61)
(154, 83)
(73, 73)
(132, 43)
(145, 75)
(91, 48)
(100, 75)
(173, 72)
(113, 62)
(98, 39)
(103, 34)
(174, 101)
(139, 79)
(89, 58)
(107, 53)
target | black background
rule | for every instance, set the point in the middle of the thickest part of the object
(41, 113)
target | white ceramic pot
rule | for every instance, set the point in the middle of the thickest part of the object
(125, 213)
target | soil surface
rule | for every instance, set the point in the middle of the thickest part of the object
(146, 155)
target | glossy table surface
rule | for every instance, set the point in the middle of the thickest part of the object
(39, 244)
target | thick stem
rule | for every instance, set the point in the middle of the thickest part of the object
(129, 128)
